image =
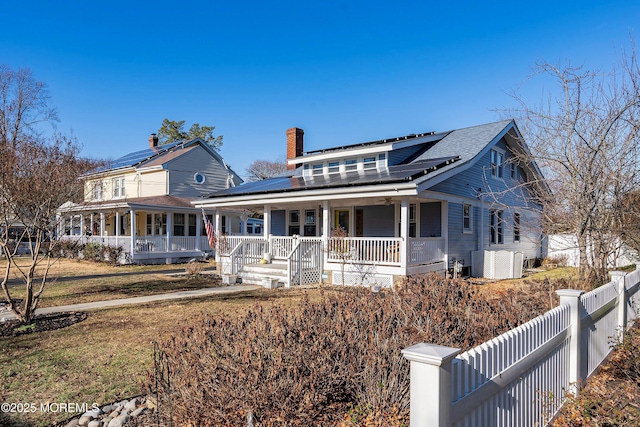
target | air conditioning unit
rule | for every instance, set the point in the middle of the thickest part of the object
(497, 264)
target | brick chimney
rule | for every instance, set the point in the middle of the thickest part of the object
(295, 137)
(153, 140)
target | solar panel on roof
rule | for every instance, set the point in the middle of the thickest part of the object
(136, 157)
(397, 173)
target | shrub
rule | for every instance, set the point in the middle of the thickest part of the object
(97, 252)
(193, 268)
(69, 249)
(313, 364)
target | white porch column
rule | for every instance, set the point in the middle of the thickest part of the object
(244, 217)
(58, 226)
(266, 226)
(82, 224)
(216, 227)
(91, 222)
(198, 230)
(404, 231)
(117, 227)
(326, 228)
(101, 224)
(444, 230)
(132, 215)
(169, 233)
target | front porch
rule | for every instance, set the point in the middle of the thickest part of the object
(295, 260)
(146, 234)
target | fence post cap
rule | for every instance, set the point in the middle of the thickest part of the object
(569, 292)
(431, 354)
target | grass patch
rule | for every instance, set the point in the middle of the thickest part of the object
(75, 282)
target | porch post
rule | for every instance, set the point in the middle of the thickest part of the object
(216, 226)
(117, 226)
(101, 224)
(326, 231)
(404, 231)
(132, 215)
(266, 227)
(81, 224)
(198, 230)
(169, 233)
(91, 222)
(444, 231)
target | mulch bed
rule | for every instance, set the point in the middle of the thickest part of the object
(41, 323)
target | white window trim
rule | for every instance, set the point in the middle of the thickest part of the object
(496, 232)
(517, 226)
(498, 172)
(120, 187)
(468, 230)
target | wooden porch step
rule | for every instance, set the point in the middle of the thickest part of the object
(253, 274)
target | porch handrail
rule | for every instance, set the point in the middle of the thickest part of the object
(304, 261)
(291, 263)
(233, 255)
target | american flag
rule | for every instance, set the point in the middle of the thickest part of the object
(211, 234)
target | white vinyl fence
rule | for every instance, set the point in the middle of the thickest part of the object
(521, 377)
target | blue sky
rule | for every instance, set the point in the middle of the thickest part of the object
(344, 71)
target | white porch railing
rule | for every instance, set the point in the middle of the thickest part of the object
(521, 377)
(146, 244)
(365, 250)
(425, 250)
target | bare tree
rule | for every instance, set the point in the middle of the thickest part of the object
(585, 138)
(263, 169)
(37, 175)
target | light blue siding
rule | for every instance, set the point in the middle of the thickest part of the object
(430, 219)
(278, 223)
(397, 156)
(461, 243)
(477, 179)
(378, 221)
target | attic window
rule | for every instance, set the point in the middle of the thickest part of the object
(317, 169)
(369, 163)
(351, 164)
(497, 158)
(334, 167)
(199, 178)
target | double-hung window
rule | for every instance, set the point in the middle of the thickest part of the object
(496, 234)
(497, 158)
(97, 190)
(118, 187)
(516, 227)
(333, 167)
(317, 169)
(351, 165)
(466, 218)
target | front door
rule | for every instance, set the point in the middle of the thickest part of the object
(341, 219)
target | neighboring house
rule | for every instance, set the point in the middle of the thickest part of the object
(142, 202)
(430, 202)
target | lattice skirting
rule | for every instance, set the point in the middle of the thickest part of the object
(352, 279)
